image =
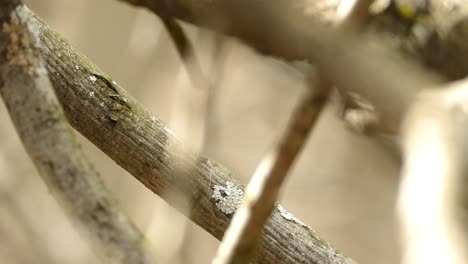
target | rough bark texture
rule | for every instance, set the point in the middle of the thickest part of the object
(140, 143)
(49, 141)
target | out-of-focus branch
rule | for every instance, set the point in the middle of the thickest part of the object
(179, 37)
(433, 198)
(186, 51)
(298, 32)
(192, 111)
(192, 105)
(49, 141)
(241, 238)
(189, 116)
(432, 31)
(138, 141)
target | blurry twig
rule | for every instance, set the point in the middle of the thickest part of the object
(433, 200)
(193, 108)
(241, 238)
(214, 80)
(179, 37)
(186, 51)
(186, 123)
(49, 141)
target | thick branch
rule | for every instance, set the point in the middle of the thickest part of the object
(138, 141)
(49, 141)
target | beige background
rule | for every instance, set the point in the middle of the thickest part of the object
(343, 185)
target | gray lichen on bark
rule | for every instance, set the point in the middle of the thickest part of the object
(228, 197)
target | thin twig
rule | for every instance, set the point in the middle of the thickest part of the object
(186, 123)
(192, 107)
(50, 143)
(240, 240)
(190, 115)
(201, 102)
(186, 51)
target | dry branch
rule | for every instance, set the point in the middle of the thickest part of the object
(138, 141)
(186, 51)
(192, 110)
(241, 238)
(50, 143)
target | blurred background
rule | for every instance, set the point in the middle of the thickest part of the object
(343, 185)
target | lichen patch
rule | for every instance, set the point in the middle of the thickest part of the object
(289, 216)
(228, 198)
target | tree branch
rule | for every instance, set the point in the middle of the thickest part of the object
(186, 51)
(49, 141)
(433, 32)
(433, 216)
(299, 33)
(138, 141)
(241, 238)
